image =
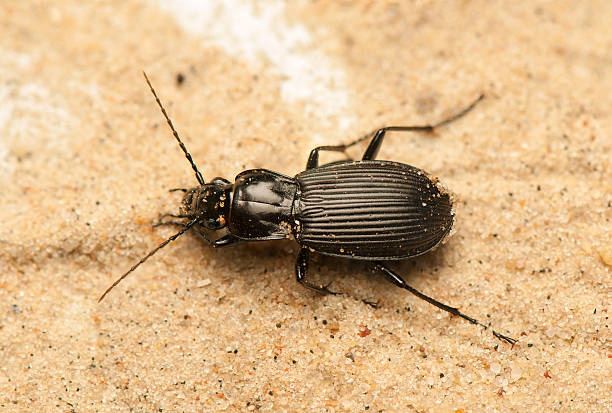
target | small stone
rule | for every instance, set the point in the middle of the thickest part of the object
(203, 283)
(515, 373)
(605, 252)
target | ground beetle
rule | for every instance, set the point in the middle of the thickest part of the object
(369, 210)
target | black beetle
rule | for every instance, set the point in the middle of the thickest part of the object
(369, 210)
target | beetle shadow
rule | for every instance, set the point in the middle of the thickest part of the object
(251, 262)
(245, 258)
(361, 281)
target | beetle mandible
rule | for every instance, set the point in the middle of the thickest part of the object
(370, 210)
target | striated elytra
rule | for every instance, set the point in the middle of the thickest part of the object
(370, 210)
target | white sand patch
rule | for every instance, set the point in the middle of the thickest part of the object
(261, 34)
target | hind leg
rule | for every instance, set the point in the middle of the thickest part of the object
(396, 279)
(377, 136)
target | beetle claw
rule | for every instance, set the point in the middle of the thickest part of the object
(326, 290)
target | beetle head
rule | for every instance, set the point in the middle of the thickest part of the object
(209, 204)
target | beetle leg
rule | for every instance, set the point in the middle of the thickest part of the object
(313, 158)
(160, 222)
(175, 223)
(373, 304)
(379, 135)
(399, 281)
(301, 267)
(226, 240)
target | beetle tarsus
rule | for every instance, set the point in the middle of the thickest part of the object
(505, 338)
(459, 114)
(373, 304)
(322, 289)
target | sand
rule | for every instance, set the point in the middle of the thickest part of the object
(86, 162)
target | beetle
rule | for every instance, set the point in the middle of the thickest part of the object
(371, 210)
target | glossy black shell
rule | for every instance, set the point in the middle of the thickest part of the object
(262, 203)
(371, 210)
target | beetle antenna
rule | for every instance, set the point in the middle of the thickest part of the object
(146, 257)
(175, 133)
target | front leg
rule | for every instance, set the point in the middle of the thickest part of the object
(160, 221)
(301, 267)
(226, 240)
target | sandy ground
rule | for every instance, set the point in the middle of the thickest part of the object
(86, 162)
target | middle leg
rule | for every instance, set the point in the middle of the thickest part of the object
(301, 267)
